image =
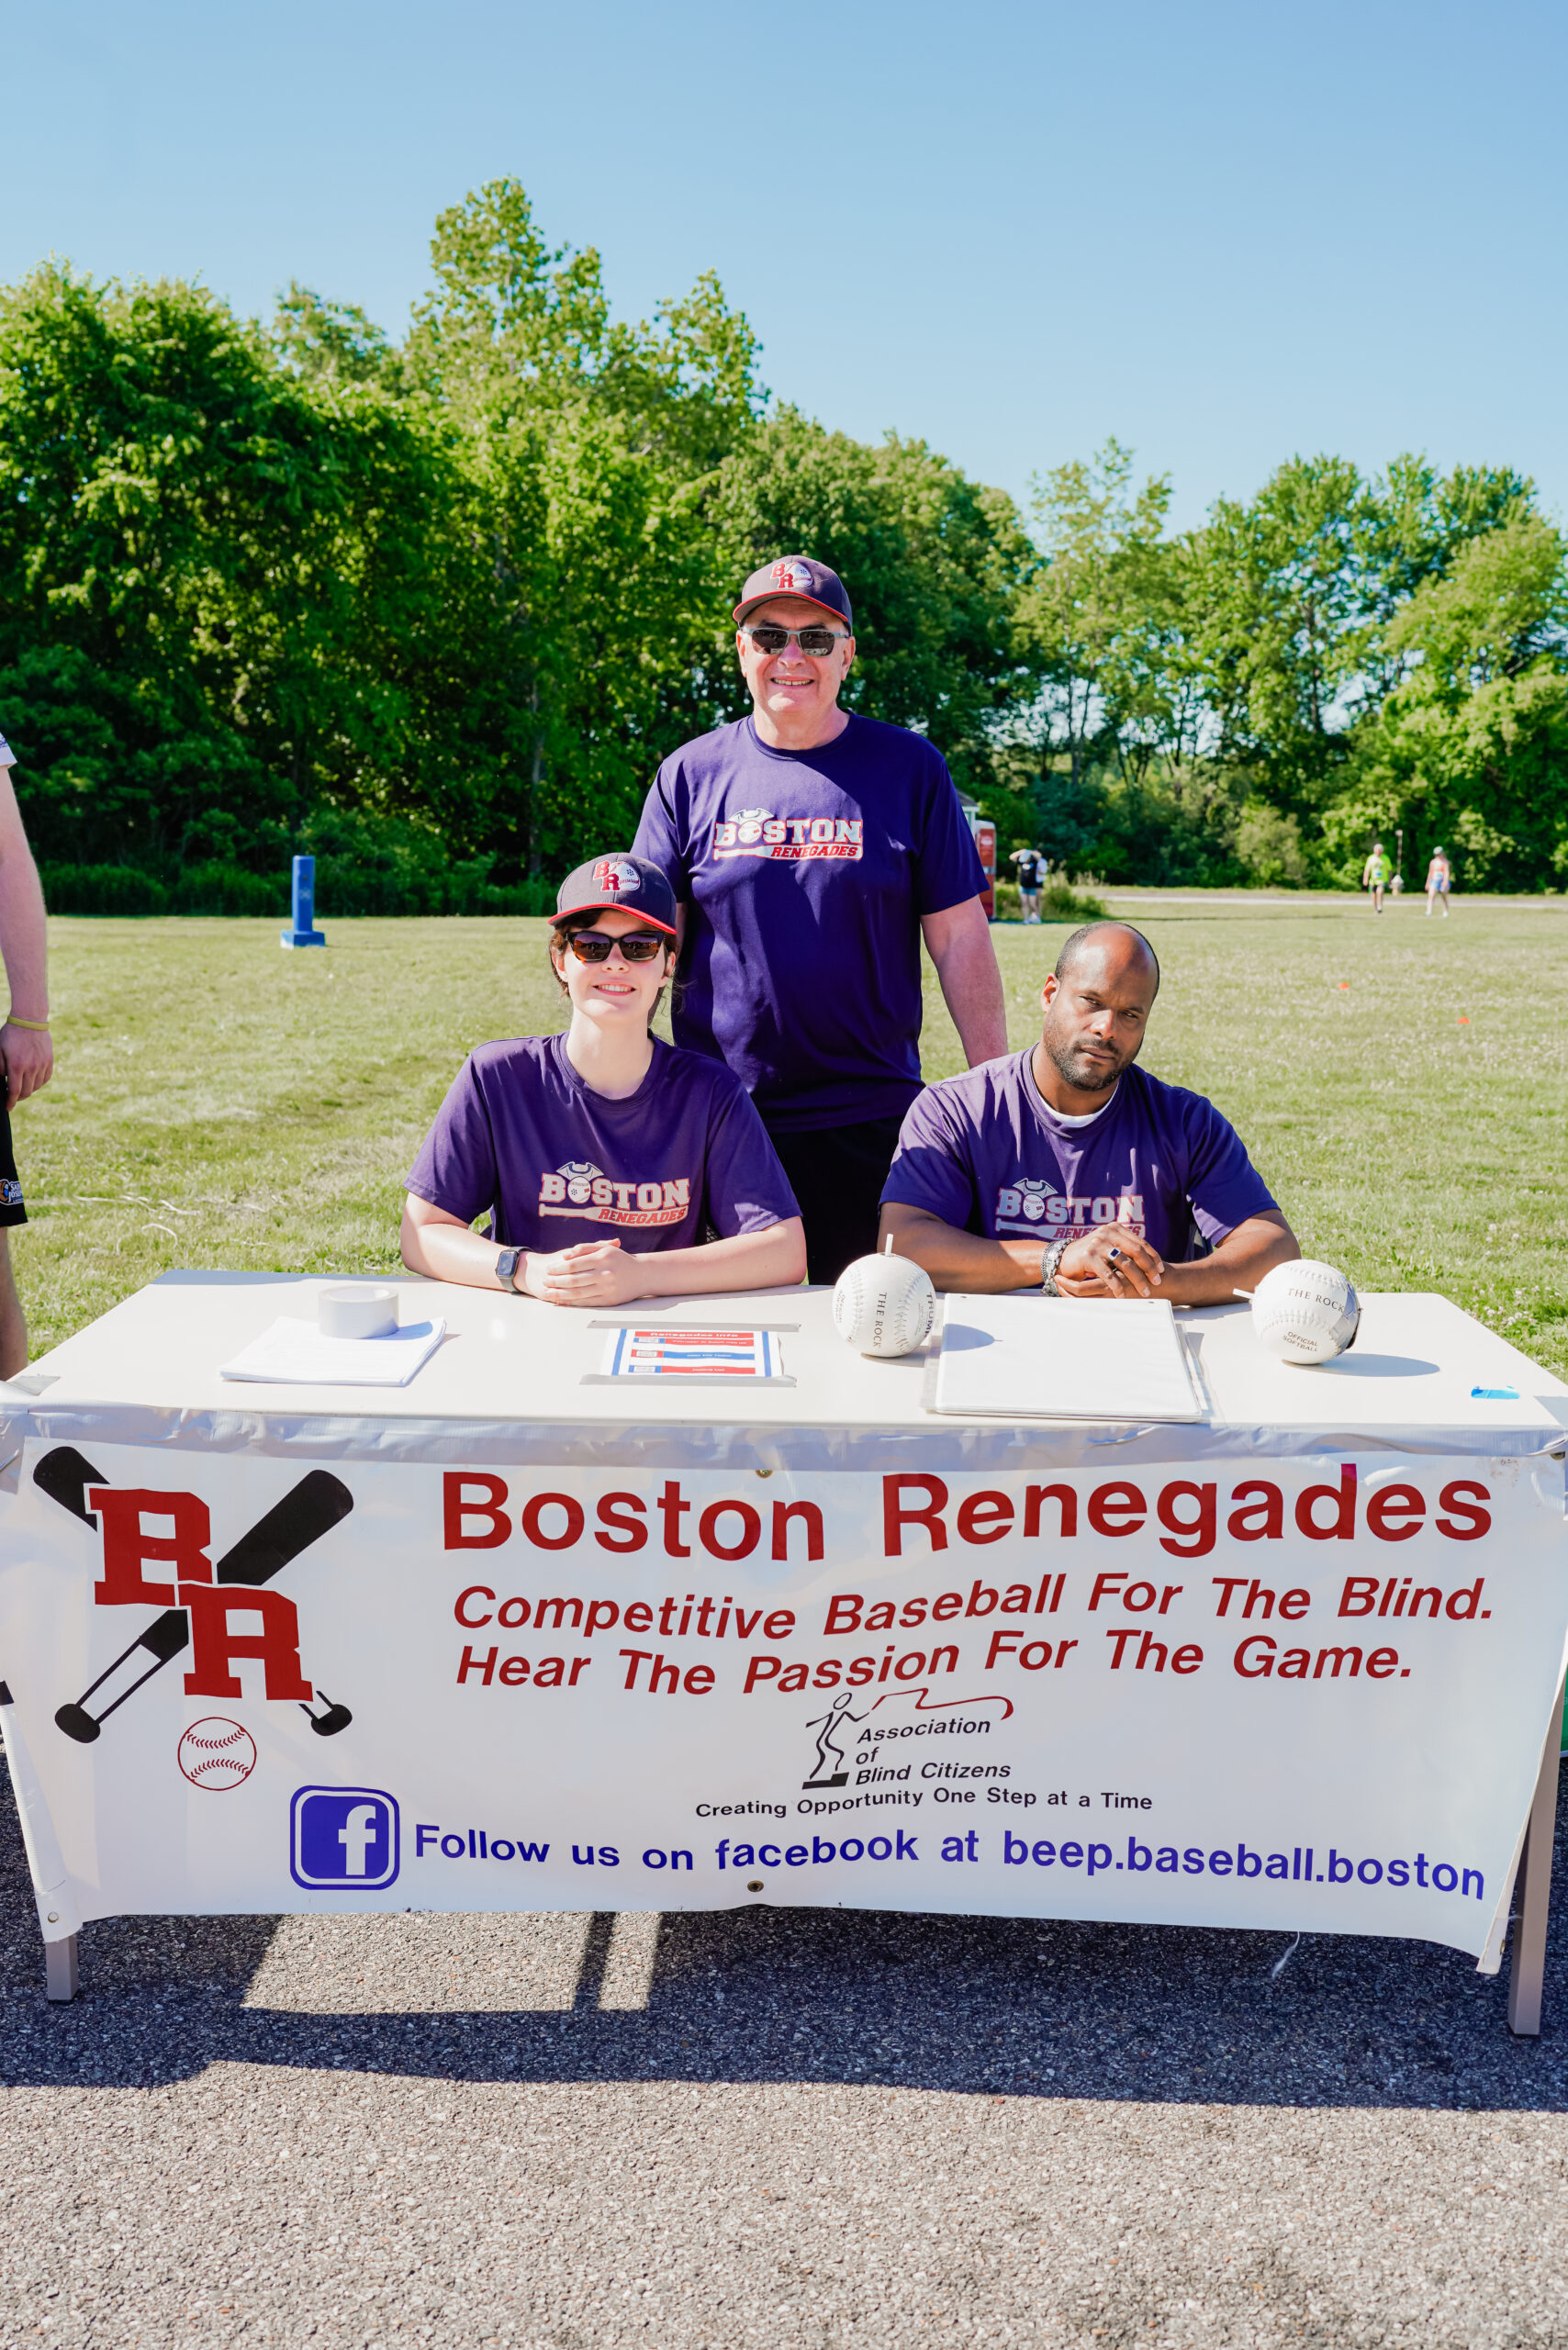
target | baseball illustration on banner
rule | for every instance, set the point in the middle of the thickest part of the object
(1305, 1312)
(884, 1305)
(217, 1754)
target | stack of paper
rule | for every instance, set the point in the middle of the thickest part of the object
(295, 1354)
(1062, 1358)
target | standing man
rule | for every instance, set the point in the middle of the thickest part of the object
(25, 1044)
(1439, 881)
(1028, 862)
(1375, 875)
(811, 851)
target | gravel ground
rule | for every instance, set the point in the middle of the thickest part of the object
(770, 2127)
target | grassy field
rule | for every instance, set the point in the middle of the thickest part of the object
(1401, 1083)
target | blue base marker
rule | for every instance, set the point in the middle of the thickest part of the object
(1496, 1394)
(304, 933)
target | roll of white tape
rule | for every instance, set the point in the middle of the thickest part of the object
(357, 1313)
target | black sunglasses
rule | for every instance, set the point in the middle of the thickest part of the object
(817, 641)
(594, 946)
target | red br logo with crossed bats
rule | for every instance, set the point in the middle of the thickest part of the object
(222, 1613)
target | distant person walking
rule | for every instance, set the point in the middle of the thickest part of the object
(26, 1049)
(1375, 875)
(1439, 881)
(1031, 874)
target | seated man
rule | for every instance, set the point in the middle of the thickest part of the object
(1068, 1167)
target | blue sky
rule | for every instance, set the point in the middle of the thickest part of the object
(1225, 233)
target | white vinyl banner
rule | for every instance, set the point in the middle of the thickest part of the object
(1282, 1694)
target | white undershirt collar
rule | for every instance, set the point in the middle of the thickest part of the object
(1060, 1117)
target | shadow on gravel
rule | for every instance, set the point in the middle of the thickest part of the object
(1004, 2007)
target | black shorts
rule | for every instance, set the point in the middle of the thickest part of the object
(11, 1208)
(836, 1174)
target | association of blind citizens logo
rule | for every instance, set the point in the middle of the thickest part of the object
(580, 1189)
(790, 840)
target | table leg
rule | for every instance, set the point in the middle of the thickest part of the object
(60, 1969)
(1527, 1964)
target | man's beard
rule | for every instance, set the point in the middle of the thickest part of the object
(1085, 1076)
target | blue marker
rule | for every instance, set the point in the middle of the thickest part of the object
(304, 933)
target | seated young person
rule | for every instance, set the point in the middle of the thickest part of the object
(1067, 1167)
(602, 1156)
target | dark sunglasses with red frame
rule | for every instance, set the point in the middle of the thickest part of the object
(640, 947)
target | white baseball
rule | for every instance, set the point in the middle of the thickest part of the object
(884, 1305)
(1304, 1312)
(216, 1754)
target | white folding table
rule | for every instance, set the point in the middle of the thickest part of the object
(510, 1391)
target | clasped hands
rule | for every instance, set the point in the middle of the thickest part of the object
(600, 1273)
(591, 1272)
(1086, 1268)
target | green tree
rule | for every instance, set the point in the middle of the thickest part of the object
(1470, 748)
(1103, 613)
(212, 574)
(516, 327)
(585, 445)
(1283, 626)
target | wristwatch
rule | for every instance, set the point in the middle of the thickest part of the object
(507, 1264)
(1051, 1256)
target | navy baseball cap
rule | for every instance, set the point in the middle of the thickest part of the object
(797, 575)
(628, 882)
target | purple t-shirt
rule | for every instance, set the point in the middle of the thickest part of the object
(986, 1152)
(555, 1162)
(806, 874)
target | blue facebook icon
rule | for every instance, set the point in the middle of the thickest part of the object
(344, 1839)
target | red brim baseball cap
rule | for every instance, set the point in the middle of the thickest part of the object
(801, 575)
(628, 882)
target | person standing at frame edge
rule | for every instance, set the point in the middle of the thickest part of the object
(811, 851)
(24, 1044)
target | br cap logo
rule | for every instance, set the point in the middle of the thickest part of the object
(614, 874)
(793, 578)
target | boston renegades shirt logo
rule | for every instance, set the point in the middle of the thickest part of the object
(1032, 1205)
(790, 840)
(582, 1190)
